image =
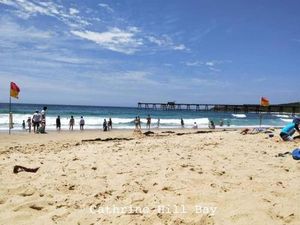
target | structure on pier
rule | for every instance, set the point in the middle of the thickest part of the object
(245, 108)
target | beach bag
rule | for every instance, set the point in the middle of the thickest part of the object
(296, 154)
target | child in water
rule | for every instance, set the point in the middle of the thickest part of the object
(23, 125)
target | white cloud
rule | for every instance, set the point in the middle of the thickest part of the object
(73, 11)
(13, 33)
(118, 39)
(210, 63)
(214, 69)
(115, 39)
(30, 8)
(159, 42)
(166, 42)
(179, 47)
(106, 6)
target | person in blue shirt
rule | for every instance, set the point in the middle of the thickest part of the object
(288, 131)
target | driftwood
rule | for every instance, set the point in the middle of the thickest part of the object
(148, 133)
(203, 132)
(197, 132)
(168, 132)
(107, 139)
(18, 169)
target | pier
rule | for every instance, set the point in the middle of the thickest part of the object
(292, 108)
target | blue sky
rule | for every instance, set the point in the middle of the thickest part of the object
(121, 52)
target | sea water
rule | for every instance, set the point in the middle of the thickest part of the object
(123, 117)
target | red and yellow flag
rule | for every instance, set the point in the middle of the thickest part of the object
(264, 101)
(14, 90)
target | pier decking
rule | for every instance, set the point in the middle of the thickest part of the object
(245, 108)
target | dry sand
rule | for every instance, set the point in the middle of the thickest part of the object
(213, 178)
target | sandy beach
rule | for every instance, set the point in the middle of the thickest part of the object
(178, 177)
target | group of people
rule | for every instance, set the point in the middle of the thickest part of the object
(38, 121)
(107, 125)
(137, 122)
(71, 123)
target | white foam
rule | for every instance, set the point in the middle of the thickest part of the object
(199, 121)
(239, 115)
(287, 120)
(282, 116)
(93, 122)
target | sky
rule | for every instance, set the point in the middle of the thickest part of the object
(117, 53)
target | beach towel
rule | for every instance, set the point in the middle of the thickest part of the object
(296, 154)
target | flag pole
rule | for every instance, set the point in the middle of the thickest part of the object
(260, 118)
(9, 115)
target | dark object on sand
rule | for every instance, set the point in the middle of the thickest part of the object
(297, 137)
(268, 132)
(18, 169)
(282, 154)
(203, 132)
(245, 131)
(271, 135)
(107, 139)
(148, 133)
(168, 132)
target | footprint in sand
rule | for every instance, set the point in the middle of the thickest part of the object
(285, 219)
(36, 207)
(31, 205)
(218, 173)
(28, 192)
(206, 220)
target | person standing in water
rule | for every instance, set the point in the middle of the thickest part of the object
(211, 124)
(58, 123)
(36, 120)
(139, 122)
(182, 123)
(148, 122)
(29, 124)
(43, 115)
(136, 123)
(23, 125)
(71, 123)
(43, 112)
(195, 126)
(81, 123)
(158, 122)
(109, 124)
(104, 125)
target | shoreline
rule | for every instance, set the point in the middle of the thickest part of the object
(145, 129)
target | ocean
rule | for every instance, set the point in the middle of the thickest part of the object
(122, 117)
